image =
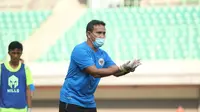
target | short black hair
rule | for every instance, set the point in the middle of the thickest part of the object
(90, 25)
(15, 44)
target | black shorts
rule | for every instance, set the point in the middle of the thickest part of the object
(63, 107)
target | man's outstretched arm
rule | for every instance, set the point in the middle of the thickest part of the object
(102, 72)
(113, 70)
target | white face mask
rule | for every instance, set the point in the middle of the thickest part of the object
(98, 42)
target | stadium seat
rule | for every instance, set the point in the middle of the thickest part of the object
(18, 26)
(157, 33)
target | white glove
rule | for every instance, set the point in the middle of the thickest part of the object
(135, 64)
(29, 110)
(130, 66)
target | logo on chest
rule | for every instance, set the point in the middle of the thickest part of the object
(101, 61)
(13, 83)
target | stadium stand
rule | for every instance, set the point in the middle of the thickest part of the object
(166, 38)
(152, 34)
(19, 26)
